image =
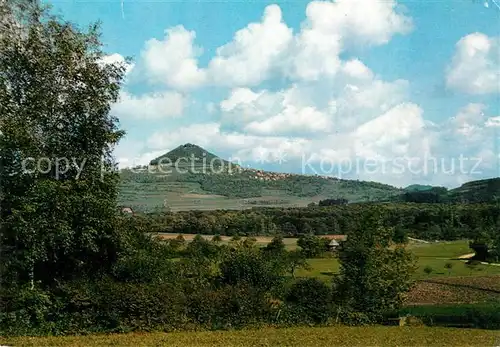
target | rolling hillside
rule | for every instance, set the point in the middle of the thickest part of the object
(487, 190)
(185, 184)
(196, 179)
(480, 191)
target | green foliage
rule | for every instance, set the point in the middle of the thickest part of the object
(200, 247)
(248, 266)
(276, 246)
(428, 270)
(374, 278)
(400, 235)
(26, 311)
(481, 316)
(421, 221)
(142, 267)
(312, 246)
(229, 306)
(55, 96)
(309, 300)
(295, 260)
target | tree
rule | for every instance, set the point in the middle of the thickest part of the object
(400, 235)
(248, 266)
(428, 270)
(311, 245)
(217, 239)
(481, 245)
(276, 246)
(295, 260)
(448, 266)
(201, 248)
(57, 174)
(374, 276)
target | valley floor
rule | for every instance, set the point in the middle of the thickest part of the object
(300, 337)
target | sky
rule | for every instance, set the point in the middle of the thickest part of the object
(399, 92)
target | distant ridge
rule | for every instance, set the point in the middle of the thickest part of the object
(486, 191)
(211, 188)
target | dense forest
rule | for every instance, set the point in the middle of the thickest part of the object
(422, 221)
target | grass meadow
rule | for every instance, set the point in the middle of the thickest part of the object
(435, 255)
(299, 337)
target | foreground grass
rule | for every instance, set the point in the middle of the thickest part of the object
(300, 337)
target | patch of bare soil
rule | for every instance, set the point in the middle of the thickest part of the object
(455, 290)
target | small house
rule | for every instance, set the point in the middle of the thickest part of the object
(333, 245)
(126, 210)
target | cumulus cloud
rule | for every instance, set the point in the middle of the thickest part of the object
(150, 106)
(254, 52)
(173, 60)
(269, 48)
(272, 113)
(330, 27)
(475, 67)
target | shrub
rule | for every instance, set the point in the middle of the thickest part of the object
(483, 316)
(27, 312)
(309, 300)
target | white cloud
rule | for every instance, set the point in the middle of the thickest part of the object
(366, 21)
(468, 120)
(475, 67)
(389, 134)
(150, 106)
(173, 60)
(356, 69)
(254, 52)
(313, 107)
(331, 27)
(117, 59)
(292, 119)
(272, 113)
(269, 48)
(358, 103)
(466, 137)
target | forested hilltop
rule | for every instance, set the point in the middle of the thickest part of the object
(183, 179)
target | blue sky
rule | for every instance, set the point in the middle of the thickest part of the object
(400, 92)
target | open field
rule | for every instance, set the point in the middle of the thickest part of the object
(435, 255)
(460, 284)
(187, 196)
(300, 337)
